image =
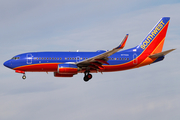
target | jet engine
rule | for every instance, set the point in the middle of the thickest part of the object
(66, 70)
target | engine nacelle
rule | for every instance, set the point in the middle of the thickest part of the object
(67, 69)
(159, 59)
(62, 75)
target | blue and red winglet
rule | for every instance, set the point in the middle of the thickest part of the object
(121, 46)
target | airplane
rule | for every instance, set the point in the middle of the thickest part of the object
(68, 64)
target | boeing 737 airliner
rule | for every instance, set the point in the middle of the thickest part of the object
(68, 64)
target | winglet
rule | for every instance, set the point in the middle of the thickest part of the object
(121, 46)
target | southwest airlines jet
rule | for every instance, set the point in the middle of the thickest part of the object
(68, 64)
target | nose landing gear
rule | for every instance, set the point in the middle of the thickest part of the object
(87, 76)
(24, 77)
(22, 72)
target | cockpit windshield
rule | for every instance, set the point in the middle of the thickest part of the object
(16, 58)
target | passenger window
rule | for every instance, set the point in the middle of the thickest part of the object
(122, 58)
(127, 58)
(60, 58)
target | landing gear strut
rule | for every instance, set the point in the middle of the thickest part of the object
(87, 76)
(24, 76)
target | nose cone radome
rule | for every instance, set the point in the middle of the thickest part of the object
(7, 64)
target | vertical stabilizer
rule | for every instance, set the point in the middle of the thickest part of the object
(154, 41)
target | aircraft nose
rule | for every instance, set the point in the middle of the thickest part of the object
(7, 64)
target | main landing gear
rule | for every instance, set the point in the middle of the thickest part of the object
(87, 76)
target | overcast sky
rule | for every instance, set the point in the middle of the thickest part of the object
(147, 93)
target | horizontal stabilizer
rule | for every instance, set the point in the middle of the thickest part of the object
(161, 54)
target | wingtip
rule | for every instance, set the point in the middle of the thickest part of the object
(121, 46)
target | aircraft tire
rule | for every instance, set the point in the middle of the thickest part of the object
(86, 79)
(89, 76)
(24, 77)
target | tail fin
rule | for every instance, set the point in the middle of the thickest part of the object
(154, 41)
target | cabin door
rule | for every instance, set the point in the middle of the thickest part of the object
(29, 58)
(135, 60)
(78, 59)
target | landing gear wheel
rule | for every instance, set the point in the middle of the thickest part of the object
(87, 76)
(24, 77)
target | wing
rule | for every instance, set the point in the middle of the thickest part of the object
(96, 61)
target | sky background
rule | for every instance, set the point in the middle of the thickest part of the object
(147, 93)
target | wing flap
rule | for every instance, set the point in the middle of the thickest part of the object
(161, 54)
